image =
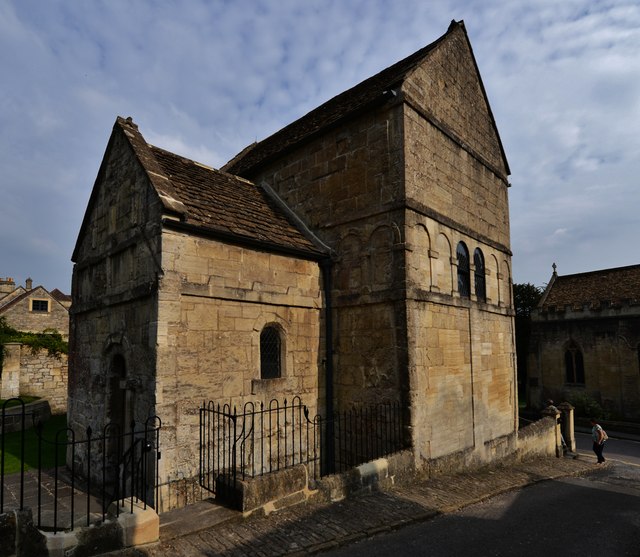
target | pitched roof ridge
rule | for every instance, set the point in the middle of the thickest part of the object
(600, 271)
(11, 295)
(239, 156)
(60, 295)
(613, 285)
(160, 181)
(365, 91)
(25, 295)
(200, 164)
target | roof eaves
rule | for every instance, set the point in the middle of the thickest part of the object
(242, 240)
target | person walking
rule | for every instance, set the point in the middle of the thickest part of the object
(599, 437)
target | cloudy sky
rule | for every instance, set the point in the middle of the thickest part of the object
(204, 78)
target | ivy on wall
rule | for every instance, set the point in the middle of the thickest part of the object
(49, 340)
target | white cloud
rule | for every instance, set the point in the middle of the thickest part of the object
(206, 78)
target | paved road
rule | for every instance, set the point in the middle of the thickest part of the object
(619, 449)
(595, 515)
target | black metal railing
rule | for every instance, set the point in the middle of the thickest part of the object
(264, 438)
(86, 474)
(363, 434)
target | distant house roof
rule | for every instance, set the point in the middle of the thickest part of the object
(375, 89)
(616, 286)
(60, 296)
(11, 296)
(22, 294)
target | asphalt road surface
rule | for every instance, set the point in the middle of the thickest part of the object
(616, 449)
(594, 515)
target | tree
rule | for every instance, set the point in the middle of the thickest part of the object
(525, 299)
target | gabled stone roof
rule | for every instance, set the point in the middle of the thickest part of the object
(11, 295)
(219, 201)
(214, 201)
(39, 291)
(618, 286)
(366, 94)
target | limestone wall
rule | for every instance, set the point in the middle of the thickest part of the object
(448, 89)
(44, 376)
(34, 374)
(214, 301)
(114, 288)
(347, 185)
(393, 203)
(461, 350)
(348, 173)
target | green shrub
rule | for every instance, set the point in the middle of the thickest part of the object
(49, 340)
(586, 406)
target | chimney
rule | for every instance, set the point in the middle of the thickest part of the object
(28, 284)
(6, 285)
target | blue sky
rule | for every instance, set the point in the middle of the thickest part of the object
(204, 78)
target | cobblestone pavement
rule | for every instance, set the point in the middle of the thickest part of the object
(313, 527)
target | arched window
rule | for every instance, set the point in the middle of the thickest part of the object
(464, 283)
(480, 284)
(270, 353)
(574, 364)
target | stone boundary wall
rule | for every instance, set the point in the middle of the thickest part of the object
(41, 375)
(541, 438)
(19, 536)
(38, 411)
(292, 486)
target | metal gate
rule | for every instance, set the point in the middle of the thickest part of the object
(260, 439)
(265, 438)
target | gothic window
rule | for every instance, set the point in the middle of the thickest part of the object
(480, 284)
(270, 354)
(574, 364)
(464, 282)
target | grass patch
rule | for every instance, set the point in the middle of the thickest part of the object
(12, 446)
(14, 402)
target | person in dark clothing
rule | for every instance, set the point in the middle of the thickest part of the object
(599, 437)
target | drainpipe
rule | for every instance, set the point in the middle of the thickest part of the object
(329, 463)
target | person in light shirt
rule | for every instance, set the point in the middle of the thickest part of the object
(599, 437)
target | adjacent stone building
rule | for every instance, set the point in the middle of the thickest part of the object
(23, 372)
(34, 309)
(585, 341)
(361, 254)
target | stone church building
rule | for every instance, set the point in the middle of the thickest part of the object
(361, 254)
(585, 341)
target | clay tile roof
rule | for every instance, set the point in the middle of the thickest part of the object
(221, 202)
(60, 296)
(616, 286)
(331, 112)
